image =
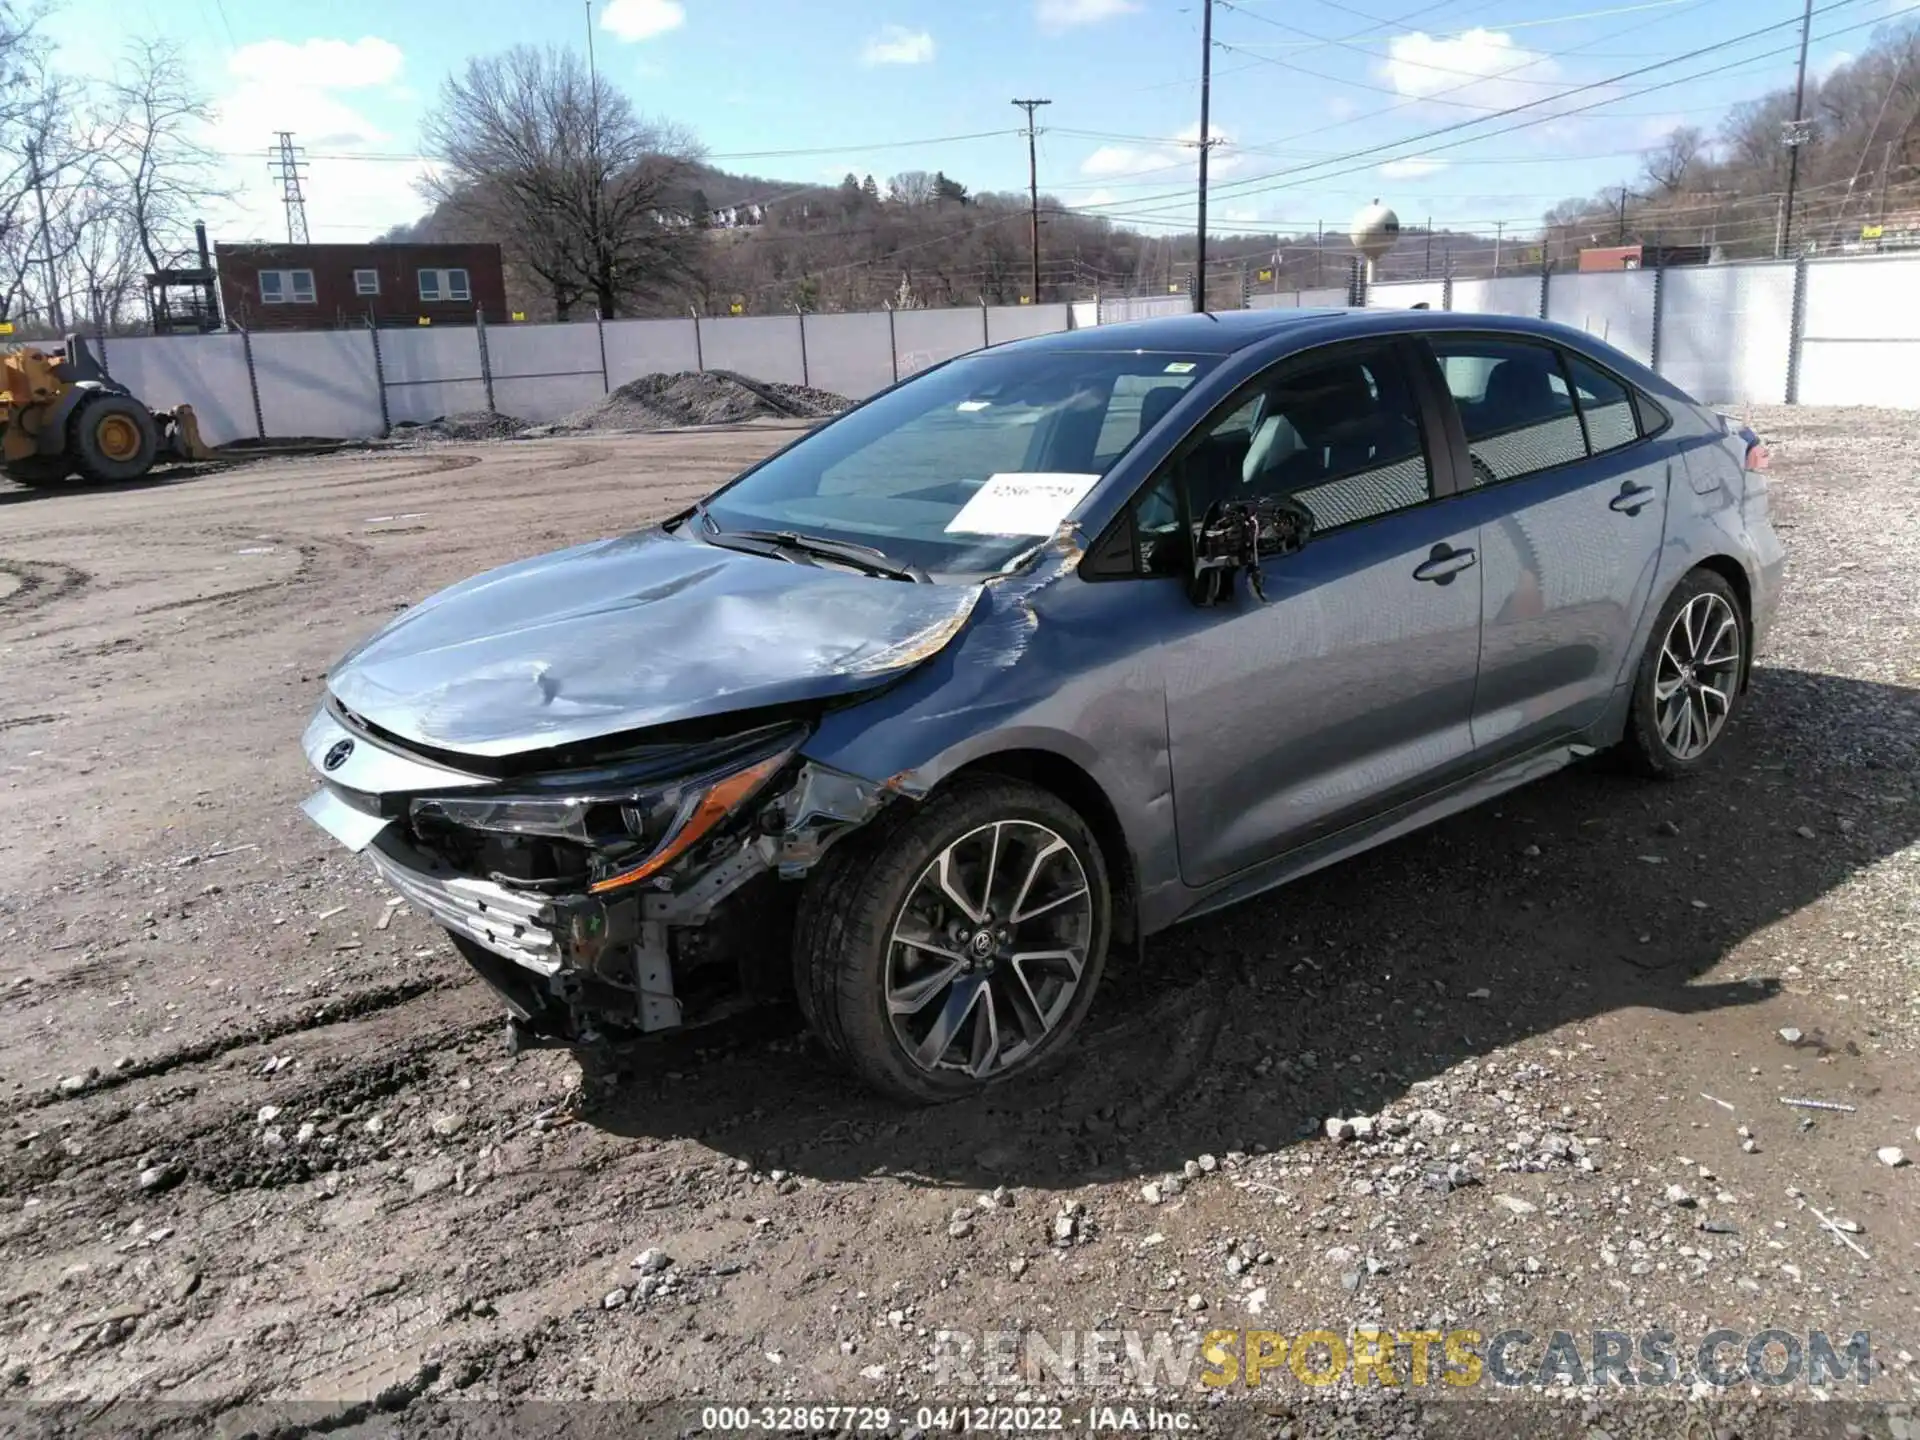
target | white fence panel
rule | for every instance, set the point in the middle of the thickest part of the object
(1084, 313)
(926, 337)
(851, 355)
(1268, 300)
(1405, 294)
(649, 347)
(1506, 295)
(1019, 322)
(1725, 331)
(1119, 308)
(208, 372)
(541, 372)
(431, 373)
(1326, 297)
(1861, 336)
(761, 347)
(317, 383)
(1614, 306)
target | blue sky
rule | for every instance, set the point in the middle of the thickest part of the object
(1298, 84)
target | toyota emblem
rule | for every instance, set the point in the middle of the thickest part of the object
(337, 756)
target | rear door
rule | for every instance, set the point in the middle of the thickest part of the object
(1570, 500)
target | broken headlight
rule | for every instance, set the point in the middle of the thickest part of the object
(632, 821)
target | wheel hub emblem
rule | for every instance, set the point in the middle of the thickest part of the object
(337, 756)
(981, 945)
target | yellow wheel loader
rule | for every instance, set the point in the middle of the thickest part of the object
(53, 426)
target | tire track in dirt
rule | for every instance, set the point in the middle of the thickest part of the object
(207, 1128)
(311, 549)
(39, 583)
(355, 1005)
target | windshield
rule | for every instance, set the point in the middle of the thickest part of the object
(967, 467)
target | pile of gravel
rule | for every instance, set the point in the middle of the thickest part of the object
(466, 425)
(713, 397)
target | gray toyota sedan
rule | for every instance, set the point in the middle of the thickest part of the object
(932, 713)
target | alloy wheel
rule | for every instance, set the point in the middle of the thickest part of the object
(1697, 676)
(987, 951)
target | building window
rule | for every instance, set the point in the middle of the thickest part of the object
(444, 285)
(286, 287)
(366, 282)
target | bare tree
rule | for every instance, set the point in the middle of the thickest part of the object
(557, 167)
(911, 188)
(163, 173)
(1670, 168)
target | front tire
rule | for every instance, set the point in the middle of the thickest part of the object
(957, 943)
(1690, 679)
(114, 438)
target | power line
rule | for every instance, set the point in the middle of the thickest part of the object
(1258, 184)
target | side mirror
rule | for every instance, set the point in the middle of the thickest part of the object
(1237, 535)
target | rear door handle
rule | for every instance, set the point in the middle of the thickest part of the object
(1443, 563)
(1632, 498)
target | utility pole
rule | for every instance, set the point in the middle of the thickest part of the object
(1499, 234)
(1033, 191)
(1796, 132)
(1319, 244)
(1886, 164)
(591, 73)
(1206, 144)
(1426, 266)
(54, 317)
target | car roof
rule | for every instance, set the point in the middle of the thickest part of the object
(1225, 331)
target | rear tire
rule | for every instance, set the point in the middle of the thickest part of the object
(113, 437)
(40, 471)
(1690, 679)
(974, 997)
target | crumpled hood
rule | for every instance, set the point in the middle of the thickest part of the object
(636, 631)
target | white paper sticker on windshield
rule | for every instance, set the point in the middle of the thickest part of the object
(1017, 504)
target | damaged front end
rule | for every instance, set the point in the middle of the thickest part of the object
(639, 892)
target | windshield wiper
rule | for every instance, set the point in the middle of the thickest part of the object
(846, 552)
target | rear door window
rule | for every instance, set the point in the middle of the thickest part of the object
(1514, 404)
(1605, 406)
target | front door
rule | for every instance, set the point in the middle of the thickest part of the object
(1351, 685)
(1571, 503)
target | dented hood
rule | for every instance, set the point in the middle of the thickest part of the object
(632, 632)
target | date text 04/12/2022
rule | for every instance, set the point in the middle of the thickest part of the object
(996, 1419)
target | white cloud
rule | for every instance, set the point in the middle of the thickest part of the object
(1411, 169)
(1178, 151)
(1056, 15)
(318, 64)
(1825, 65)
(1477, 67)
(897, 45)
(642, 19)
(320, 90)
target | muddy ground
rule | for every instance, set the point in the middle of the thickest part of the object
(261, 1141)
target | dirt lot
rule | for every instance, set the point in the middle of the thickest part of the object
(261, 1140)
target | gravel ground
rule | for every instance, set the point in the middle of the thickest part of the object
(260, 1144)
(710, 397)
(466, 425)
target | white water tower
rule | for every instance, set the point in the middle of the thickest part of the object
(1374, 231)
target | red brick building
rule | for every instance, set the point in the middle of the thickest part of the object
(325, 287)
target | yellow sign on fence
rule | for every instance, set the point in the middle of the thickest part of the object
(519, 314)
(1266, 274)
(6, 327)
(426, 319)
(736, 308)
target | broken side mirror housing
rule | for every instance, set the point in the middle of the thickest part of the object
(1236, 536)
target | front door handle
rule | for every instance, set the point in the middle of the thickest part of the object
(1632, 498)
(1443, 563)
